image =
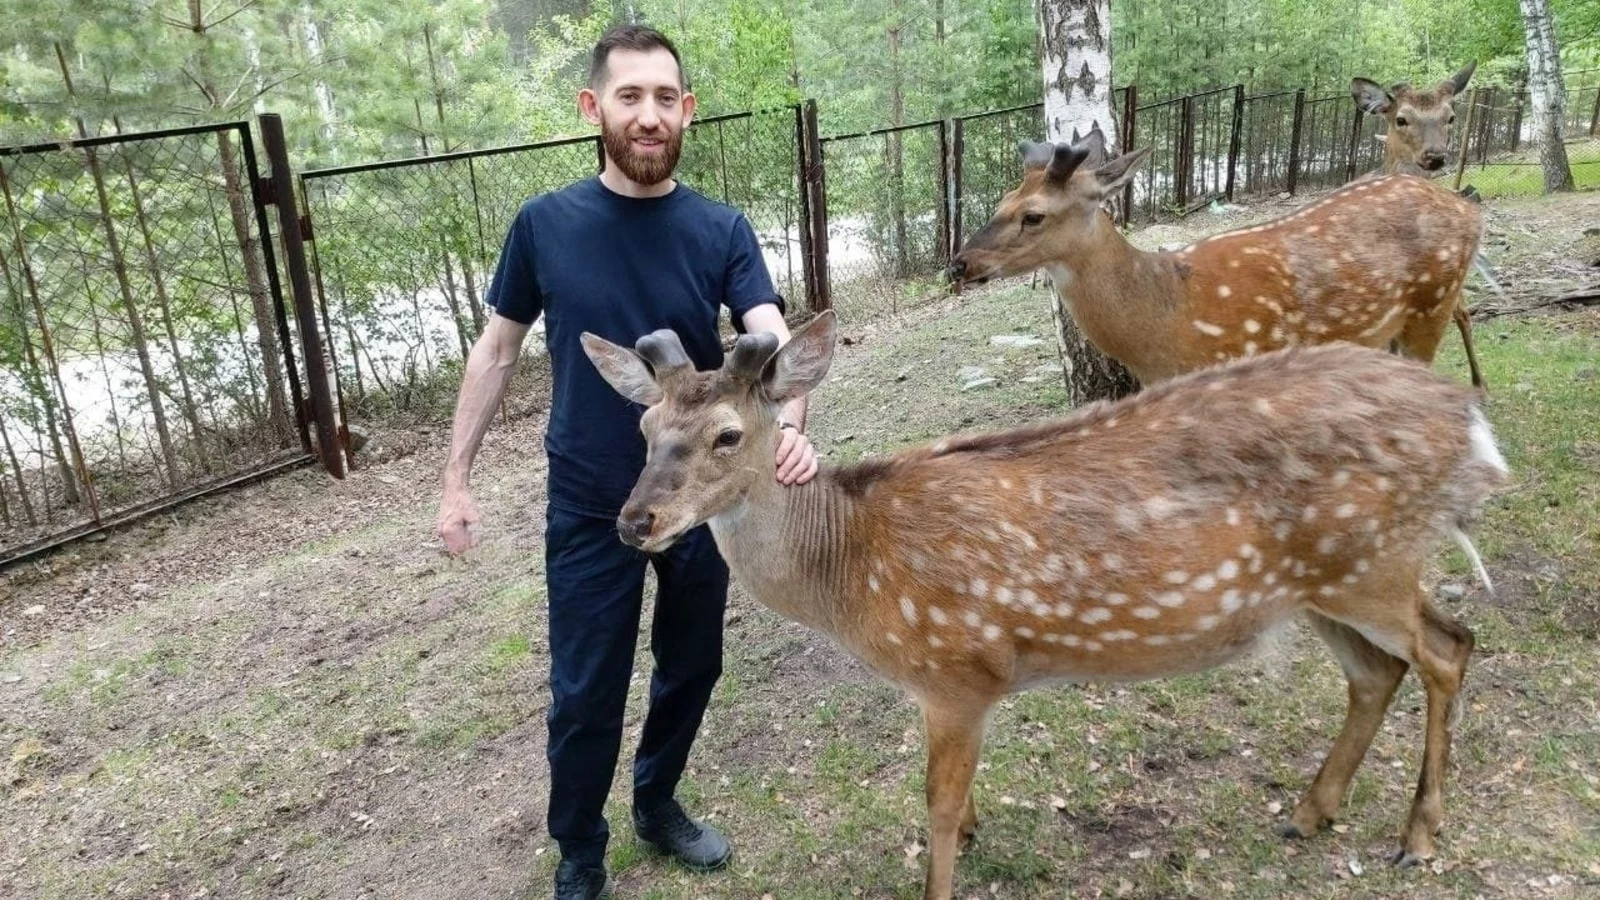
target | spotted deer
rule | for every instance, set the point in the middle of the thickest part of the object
(1376, 262)
(1416, 141)
(1159, 535)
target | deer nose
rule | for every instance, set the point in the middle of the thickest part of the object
(958, 268)
(635, 527)
(1433, 160)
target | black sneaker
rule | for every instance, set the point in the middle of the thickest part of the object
(576, 881)
(666, 829)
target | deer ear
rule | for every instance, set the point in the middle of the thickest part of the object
(1035, 154)
(1370, 98)
(798, 366)
(1457, 83)
(1119, 171)
(623, 369)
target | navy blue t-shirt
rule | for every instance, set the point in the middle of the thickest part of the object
(593, 260)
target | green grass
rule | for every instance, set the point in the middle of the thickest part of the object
(1527, 179)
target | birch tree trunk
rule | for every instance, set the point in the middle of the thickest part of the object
(1076, 52)
(1547, 95)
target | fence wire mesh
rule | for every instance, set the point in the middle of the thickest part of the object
(886, 216)
(403, 252)
(142, 352)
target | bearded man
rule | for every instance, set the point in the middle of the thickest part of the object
(620, 255)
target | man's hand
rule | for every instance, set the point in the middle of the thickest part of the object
(458, 520)
(797, 459)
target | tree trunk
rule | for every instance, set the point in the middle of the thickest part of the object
(1076, 54)
(1547, 94)
(894, 149)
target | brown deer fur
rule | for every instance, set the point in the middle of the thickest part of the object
(1375, 262)
(1162, 534)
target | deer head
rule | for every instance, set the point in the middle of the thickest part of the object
(1418, 138)
(710, 436)
(1056, 206)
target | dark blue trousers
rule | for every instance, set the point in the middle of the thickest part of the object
(596, 591)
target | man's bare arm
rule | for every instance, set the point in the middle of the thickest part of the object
(490, 365)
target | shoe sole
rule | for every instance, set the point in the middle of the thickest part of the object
(659, 850)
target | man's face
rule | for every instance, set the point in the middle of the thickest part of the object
(642, 111)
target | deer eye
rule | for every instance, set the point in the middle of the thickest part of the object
(1031, 219)
(728, 437)
(1401, 121)
(1451, 120)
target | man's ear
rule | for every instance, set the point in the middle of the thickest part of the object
(623, 369)
(799, 366)
(589, 106)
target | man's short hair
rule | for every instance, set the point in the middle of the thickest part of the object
(640, 38)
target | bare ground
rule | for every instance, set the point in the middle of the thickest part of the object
(290, 691)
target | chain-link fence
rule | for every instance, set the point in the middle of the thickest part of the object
(404, 251)
(1498, 148)
(886, 215)
(143, 343)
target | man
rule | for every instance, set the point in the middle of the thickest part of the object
(619, 255)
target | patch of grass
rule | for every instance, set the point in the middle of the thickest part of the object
(1527, 180)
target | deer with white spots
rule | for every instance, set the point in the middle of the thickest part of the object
(1417, 142)
(1376, 262)
(1163, 534)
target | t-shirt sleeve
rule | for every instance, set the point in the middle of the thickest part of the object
(748, 283)
(514, 292)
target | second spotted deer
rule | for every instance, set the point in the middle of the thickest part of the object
(1160, 535)
(1377, 263)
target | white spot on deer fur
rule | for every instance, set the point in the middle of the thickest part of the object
(1327, 590)
(979, 587)
(1157, 640)
(1345, 511)
(1262, 406)
(872, 583)
(1269, 579)
(1205, 327)
(1127, 519)
(1111, 561)
(1094, 615)
(1252, 326)
(1231, 601)
(1092, 646)
(892, 638)
(1309, 514)
(1146, 612)
(1206, 623)
(1116, 599)
(1439, 292)
(1327, 544)
(1232, 516)
(1224, 291)
(1119, 635)
(909, 610)
(1341, 478)
(1070, 640)
(937, 616)
(1203, 582)
(1281, 531)
(1247, 550)
(972, 619)
(1159, 507)
(1299, 569)
(1176, 577)
(934, 642)
(1170, 599)
(991, 632)
(1002, 595)
(1024, 633)
(933, 665)
(1063, 610)
(1250, 348)
(1229, 569)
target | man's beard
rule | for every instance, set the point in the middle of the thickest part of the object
(641, 169)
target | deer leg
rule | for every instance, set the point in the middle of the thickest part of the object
(1420, 337)
(955, 736)
(1463, 320)
(1373, 676)
(969, 821)
(1442, 651)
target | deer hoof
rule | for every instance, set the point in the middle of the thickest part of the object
(1290, 831)
(1405, 859)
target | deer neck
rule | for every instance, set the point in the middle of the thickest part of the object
(1118, 294)
(789, 546)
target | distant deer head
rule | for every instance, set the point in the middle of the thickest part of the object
(1418, 138)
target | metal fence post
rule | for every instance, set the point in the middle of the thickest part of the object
(1130, 111)
(945, 251)
(958, 153)
(1355, 142)
(1185, 151)
(816, 180)
(1461, 162)
(1594, 117)
(1233, 143)
(281, 186)
(1294, 138)
(808, 262)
